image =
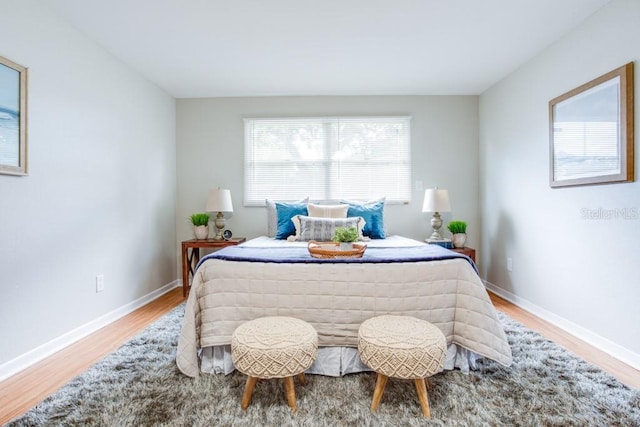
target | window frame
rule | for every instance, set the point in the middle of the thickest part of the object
(331, 142)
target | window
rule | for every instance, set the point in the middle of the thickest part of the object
(327, 158)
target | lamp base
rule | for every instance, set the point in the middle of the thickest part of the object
(219, 223)
(436, 224)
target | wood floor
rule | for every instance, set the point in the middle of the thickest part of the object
(27, 388)
(623, 372)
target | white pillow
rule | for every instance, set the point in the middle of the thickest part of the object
(272, 215)
(327, 211)
(322, 229)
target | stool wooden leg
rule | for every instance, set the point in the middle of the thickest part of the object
(291, 393)
(302, 379)
(248, 391)
(421, 388)
(381, 381)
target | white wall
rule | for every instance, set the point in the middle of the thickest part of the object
(210, 138)
(583, 274)
(100, 194)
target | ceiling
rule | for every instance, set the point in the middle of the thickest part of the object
(220, 48)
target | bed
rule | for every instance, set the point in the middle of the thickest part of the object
(397, 275)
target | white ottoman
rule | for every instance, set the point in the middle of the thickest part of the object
(401, 347)
(274, 347)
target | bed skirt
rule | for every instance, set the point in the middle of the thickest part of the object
(331, 361)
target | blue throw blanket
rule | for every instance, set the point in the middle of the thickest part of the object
(297, 254)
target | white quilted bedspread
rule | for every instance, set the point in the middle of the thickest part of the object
(335, 299)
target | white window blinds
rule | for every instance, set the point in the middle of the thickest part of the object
(327, 158)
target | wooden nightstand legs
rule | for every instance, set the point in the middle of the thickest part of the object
(188, 266)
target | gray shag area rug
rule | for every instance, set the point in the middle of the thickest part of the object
(140, 385)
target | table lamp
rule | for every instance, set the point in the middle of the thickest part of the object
(436, 200)
(219, 201)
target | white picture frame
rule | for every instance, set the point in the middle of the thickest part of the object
(13, 118)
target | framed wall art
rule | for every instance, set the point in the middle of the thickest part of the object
(13, 118)
(591, 132)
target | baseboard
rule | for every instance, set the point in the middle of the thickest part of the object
(615, 350)
(25, 360)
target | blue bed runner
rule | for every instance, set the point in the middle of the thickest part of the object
(297, 254)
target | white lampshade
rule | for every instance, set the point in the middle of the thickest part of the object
(219, 201)
(436, 200)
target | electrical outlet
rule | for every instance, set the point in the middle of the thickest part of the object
(99, 283)
(509, 264)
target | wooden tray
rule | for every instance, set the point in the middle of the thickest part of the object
(331, 250)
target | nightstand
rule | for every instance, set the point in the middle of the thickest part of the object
(470, 252)
(190, 260)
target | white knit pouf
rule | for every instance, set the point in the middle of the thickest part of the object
(401, 347)
(274, 347)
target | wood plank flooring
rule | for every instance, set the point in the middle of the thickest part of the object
(25, 389)
(623, 372)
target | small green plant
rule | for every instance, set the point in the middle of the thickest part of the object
(199, 219)
(345, 234)
(457, 227)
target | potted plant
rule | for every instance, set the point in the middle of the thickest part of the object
(459, 231)
(200, 223)
(345, 236)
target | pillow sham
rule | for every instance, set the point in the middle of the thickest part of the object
(322, 229)
(272, 215)
(286, 211)
(327, 211)
(296, 225)
(372, 212)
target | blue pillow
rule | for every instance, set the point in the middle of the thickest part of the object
(372, 214)
(285, 212)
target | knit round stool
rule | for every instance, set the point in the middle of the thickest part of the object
(402, 347)
(274, 347)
